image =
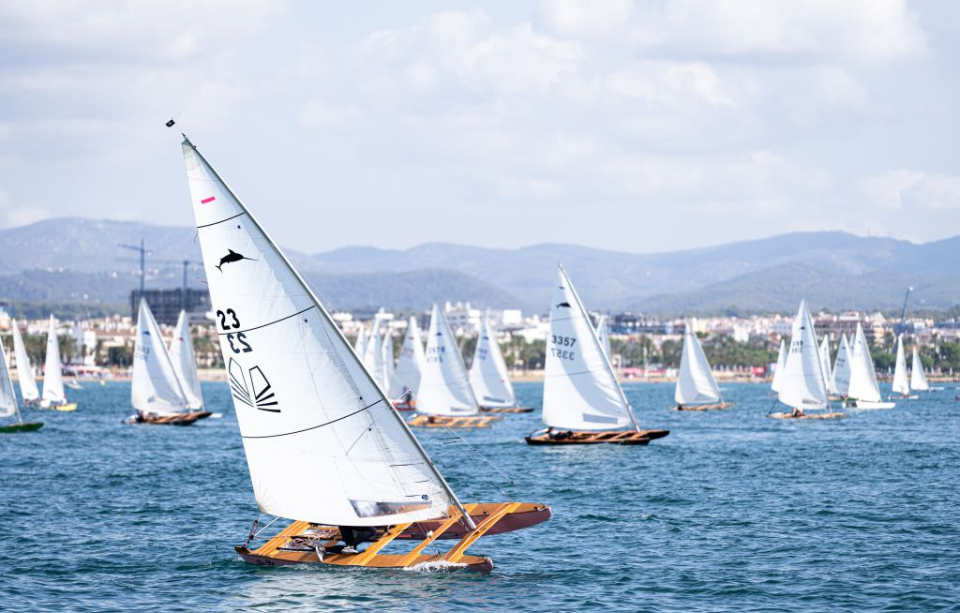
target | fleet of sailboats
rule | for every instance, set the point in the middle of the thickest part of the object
(696, 388)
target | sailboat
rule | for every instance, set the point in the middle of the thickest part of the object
(445, 397)
(696, 388)
(28, 383)
(918, 379)
(488, 374)
(825, 361)
(781, 364)
(54, 396)
(803, 386)
(901, 384)
(373, 353)
(360, 345)
(156, 392)
(8, 400)
(864, 392)
(582, 400)
(410, 365)
(324, 446)
(840, 378)
(603, 334)
(185, 363)
(390, 382)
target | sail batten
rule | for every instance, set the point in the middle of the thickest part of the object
(488, 371)
(695, 382)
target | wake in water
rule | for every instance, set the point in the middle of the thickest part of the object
(435, 566)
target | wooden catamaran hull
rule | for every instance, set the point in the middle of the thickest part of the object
(502, 410)
(183, 419)
(617, 437)
(305, 543)
(443, 421)
(24, 427)
(703, 407)
(832, 415)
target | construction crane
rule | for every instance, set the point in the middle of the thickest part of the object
(903, 311)
(143, 251)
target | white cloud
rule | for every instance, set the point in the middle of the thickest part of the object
(912, 189)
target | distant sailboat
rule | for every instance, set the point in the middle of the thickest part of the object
(489, 377)
(825, 361)
(390, 382)
(28, 383)
(411, 364)
(8, 400)
(581, 396)
(803, 386)
(778, 370)
(373, 354)
(445, 397)
(864, 392)
(54, 396)
(156, 391)
(918, 379)
(696, 388)
(901, 385)
(603, 334)
(360, 345)
(185, 363)
(840, 379)
(324, 446)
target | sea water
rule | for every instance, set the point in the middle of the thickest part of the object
(732, 512)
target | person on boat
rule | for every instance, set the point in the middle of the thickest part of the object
(796, 412)
(679, 407)
(558, 436)
(431, 419)
(353, 536)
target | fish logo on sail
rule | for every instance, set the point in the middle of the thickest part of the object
(563, 305)
(231, 257)
(258, 394)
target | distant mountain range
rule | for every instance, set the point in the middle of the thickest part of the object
(77, 260)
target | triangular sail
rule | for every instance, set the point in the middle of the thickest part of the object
(803, 385)
(53, 391)
(8, 398)
(901, 384)
(603, 334)
(918, 380)
(863, 378)
(778, 370)
(155, 388)
(28, 383)
(840, 378)
(390, 382)
(360, 345)
(185, 363)
(411, 362)
(488, 371)
(444, 385)
(580, 390)
(323, 442)
(373, 355)
(695, 382)
(825, 361)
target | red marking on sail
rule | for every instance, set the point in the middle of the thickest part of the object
(206, 200)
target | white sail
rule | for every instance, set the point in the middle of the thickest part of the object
(863, 378)
(28, 383)
(840, 378)
(360, 345)
(8, 398)
(695, 382)
(918, 380)
(444, 384)
(603, 334)
(825, 361)
(53, 392)
(323, 442)
(412, 359)
(373, 354)
(580, 390)
(155, 388)
(488, 371)
(781, 363)
(803, 385)
(901, 384)
(185, 363)
(390, 382)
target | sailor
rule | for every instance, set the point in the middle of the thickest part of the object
(353, 536)
(796, 412)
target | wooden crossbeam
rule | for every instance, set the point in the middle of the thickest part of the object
(455, 517)
(281, 537)
(456, 553)
(361, 559)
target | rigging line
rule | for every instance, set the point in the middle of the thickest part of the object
(221, 221)
(270, 323)
(464, 444)
(333, 421)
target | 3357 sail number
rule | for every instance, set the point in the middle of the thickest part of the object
(562, 342)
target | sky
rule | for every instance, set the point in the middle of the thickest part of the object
(640, 126)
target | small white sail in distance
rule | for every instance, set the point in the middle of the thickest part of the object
(184, 362)
(53, 392)
(603, 334)
(155, 388)
(28, 383)
(390, 382)
(803, 385)
(411, 362)
(918, 380)
(840, 378)
(323, 442)
(695, 382)
(360, 344)
(373, 354)
(863, 377)
(781, 363)
(580, 389)
(488, 371)
(901, 384)
(444, 384)
(825, 360)
(8, 398)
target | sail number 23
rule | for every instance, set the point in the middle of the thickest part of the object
(237, 340)
(564, 346)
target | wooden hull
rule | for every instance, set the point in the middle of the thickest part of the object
(184, 419)
(616, 437)
(832, 415)
(503, 410)
(442, 421)
(703, 407)
(24, 427)
(305, 543)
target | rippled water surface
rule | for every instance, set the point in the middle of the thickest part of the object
(732, 511)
